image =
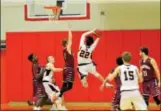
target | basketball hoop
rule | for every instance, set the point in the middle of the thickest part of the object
(53, 12)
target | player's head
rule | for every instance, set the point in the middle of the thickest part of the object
(64, 42)
(50, 59)
(126, 57)
(144, 51)
(33, 58)
(89, 40)
(119, 61)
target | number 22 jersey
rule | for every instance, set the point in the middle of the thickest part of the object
(85, 52)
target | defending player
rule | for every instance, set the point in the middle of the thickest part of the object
(85, 62)
(39, 96)
(50, 87)
(117, 96)
(151, 76)
(129, 76)
(68, 72)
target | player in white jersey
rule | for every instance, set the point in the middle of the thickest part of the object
(85, 63)
(130, 78)
(49, 83)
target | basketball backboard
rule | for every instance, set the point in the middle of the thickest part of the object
(70, 9)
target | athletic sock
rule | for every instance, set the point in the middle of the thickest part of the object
(53, 107)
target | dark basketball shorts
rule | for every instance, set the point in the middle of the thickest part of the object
(116, 99)
(39, 90)
(151, 88)
(68, 74)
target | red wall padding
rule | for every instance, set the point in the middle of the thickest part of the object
(112, 44)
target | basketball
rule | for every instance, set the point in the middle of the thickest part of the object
(98, 33)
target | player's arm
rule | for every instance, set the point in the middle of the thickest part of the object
(140, 77)
(55, 69)
(141, 73)
(84, 35)
(69, 45)
(95, 43)
(111, 76)
(157, 72)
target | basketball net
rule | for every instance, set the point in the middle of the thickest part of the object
(53, 12)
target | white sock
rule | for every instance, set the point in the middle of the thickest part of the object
(53, 107)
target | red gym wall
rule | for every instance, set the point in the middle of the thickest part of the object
(17, 79)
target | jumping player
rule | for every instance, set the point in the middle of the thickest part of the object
(117, 96)
(130, 77)
(68, 72)
(85, 62)
(39, 96)
(151, 76)
(51, 88)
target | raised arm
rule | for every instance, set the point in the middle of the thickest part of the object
(69, 45)
(85, 34)
(157, 72)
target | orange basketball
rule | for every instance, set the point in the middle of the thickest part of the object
(98, 32)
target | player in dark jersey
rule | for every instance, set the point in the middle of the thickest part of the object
(39, 96)
(68, 73)
(117, 96)
(151, 76)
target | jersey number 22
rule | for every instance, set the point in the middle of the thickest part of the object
(84, 54)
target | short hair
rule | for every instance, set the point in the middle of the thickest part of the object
(64, 42)
(89, 40)
(119, 61)
(30, 57)
(145, 50)
(126, 56)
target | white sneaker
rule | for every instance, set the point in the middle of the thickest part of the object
(36, 108)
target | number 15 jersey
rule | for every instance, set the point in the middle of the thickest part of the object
(85, 52)
(129, 77)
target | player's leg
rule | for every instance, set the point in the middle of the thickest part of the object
(116, 101)
(92, 70)
(125, 102)
(47, 101)
(138, 101)
(146, 93)
(155, 92)
(68, 78)
(65, 87)
(57, 100)
(33, 100)
(82, 70)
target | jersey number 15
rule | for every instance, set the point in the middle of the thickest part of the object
(129, 75)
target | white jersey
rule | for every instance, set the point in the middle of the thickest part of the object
(85, 52)
(48, 74)
(129, 77)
